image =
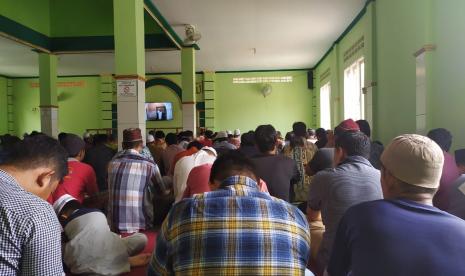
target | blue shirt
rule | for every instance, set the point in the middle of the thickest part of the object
(236, 230)
(398, 237)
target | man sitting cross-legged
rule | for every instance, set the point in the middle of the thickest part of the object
(235, 229)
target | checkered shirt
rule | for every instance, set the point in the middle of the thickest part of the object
(130, 178)
(236, 230)
(30, 235)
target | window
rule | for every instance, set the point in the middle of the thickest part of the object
(354, 101)
(325, 106)
(262, 79)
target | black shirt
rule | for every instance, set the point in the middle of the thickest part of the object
(279, 172)
(98, 157)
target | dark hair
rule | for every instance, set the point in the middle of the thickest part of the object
(100, 139)
(299, 129)
(189, 133)
(354, 143)
(209, 134)
(297, 141)
(248, 139)
(61, 136)
(195, 144)
(364, 127)
(288, 136)
(171, 139)
(442, 137)
(131, 145)
(232, 163)
(321, 134)
(38, 151)
(159, 134)
(266, 137)
(8, 140)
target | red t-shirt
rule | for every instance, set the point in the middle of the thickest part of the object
(80, 181)
(197, 182)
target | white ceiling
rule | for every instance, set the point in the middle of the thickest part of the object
(285, 35)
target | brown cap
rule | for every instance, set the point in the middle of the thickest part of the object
(132, 135)
(414, 159)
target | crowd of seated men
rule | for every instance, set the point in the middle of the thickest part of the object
(317, 202)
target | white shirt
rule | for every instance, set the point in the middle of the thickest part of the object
(183, 168)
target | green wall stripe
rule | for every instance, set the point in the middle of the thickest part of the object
(165, 25)
(19, 31)
(200, 105)
(74, 44)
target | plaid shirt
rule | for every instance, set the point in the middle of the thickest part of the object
(132, 182)
(30, 235)
(234, 230)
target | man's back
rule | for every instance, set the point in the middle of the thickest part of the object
(333, 191)
(128, 177)
(457, 198)
(79, 182)
(279, 172)
(450, 173)
(168, 157)
(233, 230)
(29, 232)
(398, 237)
(99, 157)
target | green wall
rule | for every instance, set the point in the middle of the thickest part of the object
(400, 32)
(243, 106)
(394, 30)
(331, 69)
(236, 105)
(448, 68)
(33, 14)
(78, 106)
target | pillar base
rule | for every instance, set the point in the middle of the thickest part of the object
(49, 120)
(189, 117)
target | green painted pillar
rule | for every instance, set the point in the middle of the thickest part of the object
(129, 64)
(48, 94)
(189, 113)
(3, 106)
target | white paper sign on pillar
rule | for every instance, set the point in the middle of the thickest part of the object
(127, 88)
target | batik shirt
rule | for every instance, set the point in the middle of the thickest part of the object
(236, 230)
(302, 156)
(30, 239)
(132, 182)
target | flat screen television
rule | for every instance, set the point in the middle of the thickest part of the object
(159, 111)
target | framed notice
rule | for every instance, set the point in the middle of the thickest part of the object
(126, 88)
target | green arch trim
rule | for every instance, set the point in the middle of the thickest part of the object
(165, 82)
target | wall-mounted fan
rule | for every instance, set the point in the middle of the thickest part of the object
(192, 35)
(266, 90)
